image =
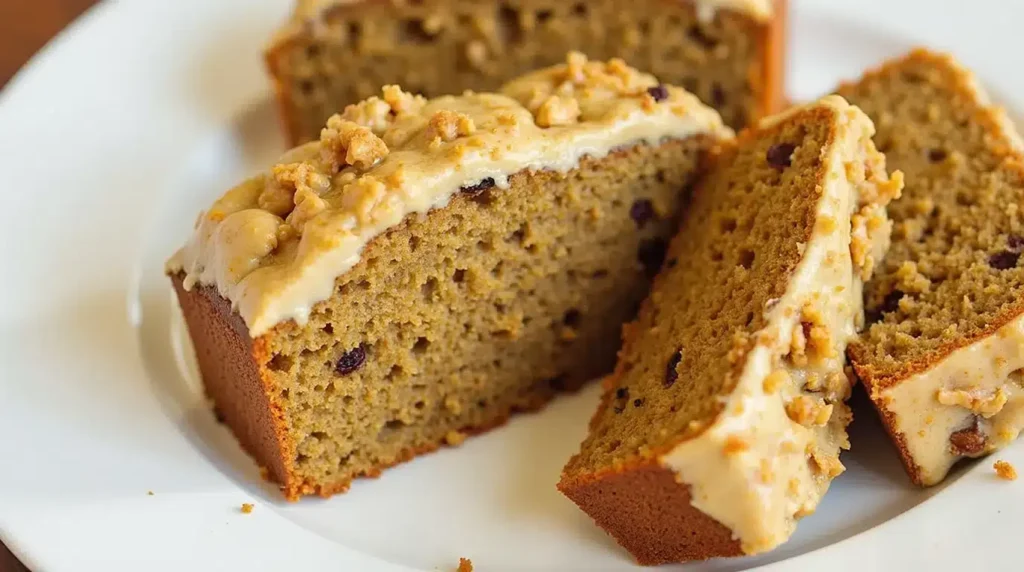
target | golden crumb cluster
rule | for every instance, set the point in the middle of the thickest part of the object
(1005, 471)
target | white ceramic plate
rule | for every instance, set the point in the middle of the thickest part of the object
(140, 114)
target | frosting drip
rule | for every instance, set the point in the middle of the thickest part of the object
(275, 244)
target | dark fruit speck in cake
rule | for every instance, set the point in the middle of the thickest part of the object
(658, 92)
(350, 361)
(780, 155)
(479, 187)
(968, 441)
(1015, 242)
(651, 254)
(671, 375)
(1004, 260)
(641, 212)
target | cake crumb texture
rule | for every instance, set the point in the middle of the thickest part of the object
(247, 508)
(723, 421)
(337, 53)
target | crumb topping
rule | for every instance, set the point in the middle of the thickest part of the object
(979, 400)
(1005, 471)
(274, 245)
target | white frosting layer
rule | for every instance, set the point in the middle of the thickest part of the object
(978, 387)
(275, 245)
(769, 456)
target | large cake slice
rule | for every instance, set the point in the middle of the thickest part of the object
(336, 52)
(429, 267)
(723, 421)
(943, 360)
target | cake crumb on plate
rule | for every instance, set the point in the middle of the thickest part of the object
(1005, 470)
(465, 565)
(246, 508)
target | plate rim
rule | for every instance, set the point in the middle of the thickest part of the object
(989, 508)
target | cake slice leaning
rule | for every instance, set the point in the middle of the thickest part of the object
(428, 268)
(942, 361)
(723, 421)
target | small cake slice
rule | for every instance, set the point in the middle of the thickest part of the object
(332, 53)
(942, 360)
(724, 418)
(428, 268)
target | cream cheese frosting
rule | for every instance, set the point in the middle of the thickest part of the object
(274, 245)
(967, 405)
(769, 456)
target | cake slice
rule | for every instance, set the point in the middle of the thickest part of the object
(942, 360)
(723, 421)
(429, 267)
(335, 52)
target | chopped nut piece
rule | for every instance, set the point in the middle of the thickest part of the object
(276, 198)
(402, 102)
(465, 565)
(307, 205)
(809, 411)
(980, 401)
(735, 444)
(1005, 470)
(828, 465)
(558, 110)
(968, 442)
(775, 380)
(346, 143)
(449, 125)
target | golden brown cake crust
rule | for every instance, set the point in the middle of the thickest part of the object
(650, 514)
(230, 363)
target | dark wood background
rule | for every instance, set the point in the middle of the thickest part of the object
(26, 26)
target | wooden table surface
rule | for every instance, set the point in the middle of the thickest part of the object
(26, 26)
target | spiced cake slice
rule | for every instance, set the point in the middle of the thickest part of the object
(335, 52)
(723, 421)
(942, 359)
(429, 267)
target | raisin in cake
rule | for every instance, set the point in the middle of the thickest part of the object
(943, 360)
(336, 52)
(723, 421)
(430, 266)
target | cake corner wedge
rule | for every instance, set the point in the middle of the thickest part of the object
(725, 415)
(942, 356)
(332, 53)
(429, 267)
